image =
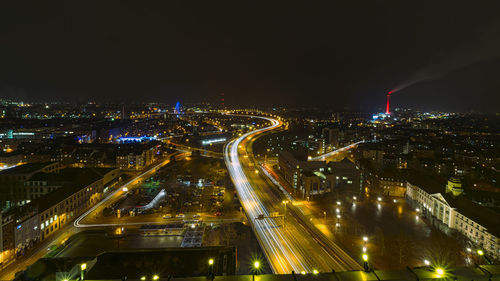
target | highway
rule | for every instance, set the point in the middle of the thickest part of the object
(294, 246)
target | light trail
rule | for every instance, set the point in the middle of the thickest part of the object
(77, 222)
(331, 153)
(283, 255)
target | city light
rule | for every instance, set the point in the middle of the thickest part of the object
(365, 238)
(315, 272)
(303, 272)
(480, 252)
(365, 257)
(338, 203)
(439, 271)
(256, 265)
(210, 261)
(83, 266)
(156, 277)
(427, 262)
(364, 249)
(379, 198)
(143, 278)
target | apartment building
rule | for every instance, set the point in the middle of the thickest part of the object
(444, 202)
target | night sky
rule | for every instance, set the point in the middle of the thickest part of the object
(336, 54)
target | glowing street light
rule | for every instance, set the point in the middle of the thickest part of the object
(365, 262)
(156, 277)
(256, 265)
(439, 271)
(315, 272)
(303, 272)
(364, 249)
(427, 262)
(211, 262)
(143, 278)
(365, 238)
(83, 266)
(365, 257)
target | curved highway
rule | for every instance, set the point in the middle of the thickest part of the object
(289, 247)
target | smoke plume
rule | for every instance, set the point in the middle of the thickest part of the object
(486, 47)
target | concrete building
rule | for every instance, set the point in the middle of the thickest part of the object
(332, 136)
(306, 178)
(444, 202)
(346, 173)
(12, 191)
(312, 178)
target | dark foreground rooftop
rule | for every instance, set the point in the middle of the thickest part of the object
(468, 274)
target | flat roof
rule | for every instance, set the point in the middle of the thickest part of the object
(25, 168)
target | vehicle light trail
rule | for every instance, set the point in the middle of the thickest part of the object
(282, 254)
(133, 181)
(331, 153)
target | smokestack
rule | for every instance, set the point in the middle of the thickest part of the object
(387, 111)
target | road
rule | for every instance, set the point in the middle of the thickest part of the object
(293, 247)
(335, 152)
(8, 273)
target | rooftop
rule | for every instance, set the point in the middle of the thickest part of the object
(25, 169)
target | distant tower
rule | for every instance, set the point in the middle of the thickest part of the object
(387, 110)
(177, 109)
(124, 115)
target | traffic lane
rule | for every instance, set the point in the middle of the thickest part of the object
(341, 260)
(321, 260)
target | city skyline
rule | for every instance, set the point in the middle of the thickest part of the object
(335, 54)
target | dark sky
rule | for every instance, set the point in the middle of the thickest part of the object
(331, 53)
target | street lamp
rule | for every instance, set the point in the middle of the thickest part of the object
(439, 272)
(256, 265)
(427, 262)
(315, 272)
(365, 262)
(156, 277)
(365, 238)
(210, 267)
(143, 278)
(83, 266)
(284, 215)
(480, 252)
